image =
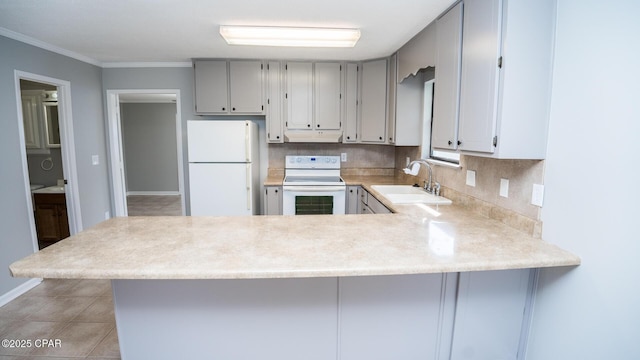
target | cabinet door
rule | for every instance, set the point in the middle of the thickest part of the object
(328, 94)
(274, 103)
(392, 81)
(391, 317)
(352, 200)
(490, 314)
(299, 95)
(374, 98)
(479, 82)
(211, 86)
(447, 85)
(245, 86)
(63, 221)
(351, 104)
(273, 200)
(31, 116)
(47, 222)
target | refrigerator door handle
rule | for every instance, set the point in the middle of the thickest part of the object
(247, 142)
(249, 186)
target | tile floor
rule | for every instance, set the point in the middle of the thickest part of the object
(154, 205)
(77, 312)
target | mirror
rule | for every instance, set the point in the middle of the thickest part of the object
(52, 124)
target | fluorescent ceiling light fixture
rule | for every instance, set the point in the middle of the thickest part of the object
(289, 36)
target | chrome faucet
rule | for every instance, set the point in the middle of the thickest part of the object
(428, 183)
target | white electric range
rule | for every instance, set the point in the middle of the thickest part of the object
(312, 185)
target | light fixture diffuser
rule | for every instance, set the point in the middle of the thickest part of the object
(289, 36)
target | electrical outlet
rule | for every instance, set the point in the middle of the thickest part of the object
(343, 157)
(407, 162)
(504, 188)
(107, 215)
(95, 160)
(537, 195)
(471, 178)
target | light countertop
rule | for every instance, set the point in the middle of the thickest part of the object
(416, 239)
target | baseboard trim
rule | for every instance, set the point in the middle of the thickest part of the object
(19, 290)
(156, 193)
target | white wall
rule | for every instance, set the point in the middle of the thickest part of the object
(591, 186)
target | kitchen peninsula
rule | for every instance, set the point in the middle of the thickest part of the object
(425, 282)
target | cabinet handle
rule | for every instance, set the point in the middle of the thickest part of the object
(308, 125)
(450, 142)
(223, 109)
(348, 137)
(459, 142)
(233, 109)
(318, 125)
(380, 137)
(277, 136)
(276, 191)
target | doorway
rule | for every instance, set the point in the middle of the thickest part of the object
(145, 144)
(46, 132)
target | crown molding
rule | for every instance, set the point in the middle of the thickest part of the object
(148, 64)
(46, 46)
(58, 50)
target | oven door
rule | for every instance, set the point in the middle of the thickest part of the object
(313, 200)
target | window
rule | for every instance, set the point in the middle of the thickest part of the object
(427, 151)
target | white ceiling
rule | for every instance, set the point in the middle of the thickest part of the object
(107, 31)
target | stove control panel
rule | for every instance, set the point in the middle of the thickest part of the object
(312, 162)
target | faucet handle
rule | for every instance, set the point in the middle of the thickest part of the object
(436, 189)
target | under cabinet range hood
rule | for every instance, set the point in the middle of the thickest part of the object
(313, 136)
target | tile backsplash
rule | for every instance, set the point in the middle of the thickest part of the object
(485, 197)
(522, 174)
(358, 156)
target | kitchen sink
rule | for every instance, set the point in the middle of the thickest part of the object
(407, 194)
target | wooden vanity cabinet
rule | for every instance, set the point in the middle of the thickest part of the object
(52, 223)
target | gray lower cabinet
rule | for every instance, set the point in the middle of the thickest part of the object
(369, 204)
(352, 200)
(478, 315)
(491, 319)
(273, 200)
(394, 317)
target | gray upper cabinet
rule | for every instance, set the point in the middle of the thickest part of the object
(328, 96)
(245, 86)
(229, 87)
(392, 90)
(506, 78)
(480, 74)
(351, 103)
(211, 88)
(447, 74)
(275, 108)
(373, 101)
(299, 95)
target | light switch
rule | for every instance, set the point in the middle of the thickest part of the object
(343, 157)
(537, 195)
(471, 178)
(504, 188)
(95, 160)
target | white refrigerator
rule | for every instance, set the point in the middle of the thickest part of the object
(224, 167)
